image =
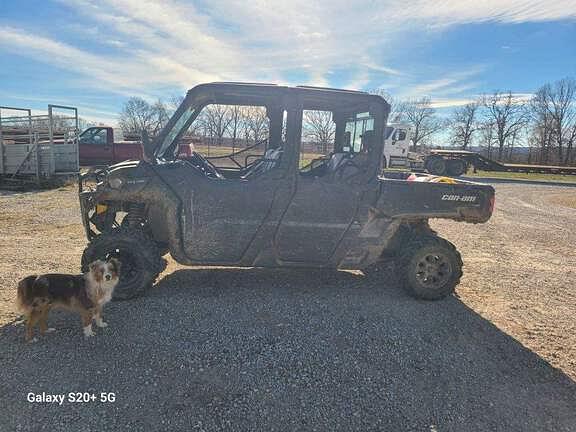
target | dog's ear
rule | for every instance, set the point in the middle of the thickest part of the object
(116, 264)
(96, 270)
(94, 266)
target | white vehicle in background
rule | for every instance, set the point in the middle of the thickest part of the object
(397, 142)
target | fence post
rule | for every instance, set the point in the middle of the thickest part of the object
(37, 158)
(1, 147)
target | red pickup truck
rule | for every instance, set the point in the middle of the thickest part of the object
(98, 147)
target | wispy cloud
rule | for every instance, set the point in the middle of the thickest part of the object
(452, 12)
(120, 74)
(157, 44)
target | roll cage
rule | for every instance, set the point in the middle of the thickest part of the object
(284, 105)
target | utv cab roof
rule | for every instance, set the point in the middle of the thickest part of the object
(312, 97)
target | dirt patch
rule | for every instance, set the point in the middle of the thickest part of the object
(520, 269)
(564, 199)
(275, 349)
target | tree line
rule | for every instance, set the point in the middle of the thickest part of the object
(216, 124)
(499, 123)
(544, 124)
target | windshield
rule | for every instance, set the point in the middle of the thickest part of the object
(388, 132)
(178, 127)
(356, 127)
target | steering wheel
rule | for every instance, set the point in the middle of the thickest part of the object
(205, 165)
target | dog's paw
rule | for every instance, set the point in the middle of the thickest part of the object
(50, 330)
(88, 332)
(101, 324)
(33, 340)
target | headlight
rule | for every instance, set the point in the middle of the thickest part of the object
(115, 183)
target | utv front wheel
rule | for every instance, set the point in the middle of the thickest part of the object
(139, 257)
(430, 267)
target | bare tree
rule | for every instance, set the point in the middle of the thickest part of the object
(235, 113)
(553, 105)
(463, 124)
(138, 115)
(175, 101)
(255, 123)
(161, 115)
(216, 119)
(570, 156)
(422, 117)
(542, 130)
(486, 130)
(395, 115)
(507, 114)
(318, 127)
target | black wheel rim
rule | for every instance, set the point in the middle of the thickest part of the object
(433, 270)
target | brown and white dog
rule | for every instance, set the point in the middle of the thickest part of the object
(86, 294)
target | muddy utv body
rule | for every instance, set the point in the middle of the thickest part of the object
(334, 211)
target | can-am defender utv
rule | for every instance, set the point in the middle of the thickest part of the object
(284, 206)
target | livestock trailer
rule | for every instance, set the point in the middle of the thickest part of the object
(38, 146)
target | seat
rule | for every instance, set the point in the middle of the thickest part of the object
(269, 160)
(335, 161)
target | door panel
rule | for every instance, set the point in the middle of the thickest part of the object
(223, 217)
(319, 215)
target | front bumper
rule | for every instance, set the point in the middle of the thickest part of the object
(87, 195)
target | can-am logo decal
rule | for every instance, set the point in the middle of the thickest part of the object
(461, 198)
(135, 181)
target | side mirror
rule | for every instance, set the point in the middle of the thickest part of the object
(147, 150)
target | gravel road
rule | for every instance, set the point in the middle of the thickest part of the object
(253, 349)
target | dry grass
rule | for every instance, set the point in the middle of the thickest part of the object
(524, 176)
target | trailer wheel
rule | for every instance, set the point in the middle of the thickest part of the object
(436, 165)
(140, 259)
(430, 267)
(456, 167)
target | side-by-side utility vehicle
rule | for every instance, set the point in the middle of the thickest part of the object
(290, 206)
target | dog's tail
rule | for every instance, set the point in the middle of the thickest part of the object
(25, 295)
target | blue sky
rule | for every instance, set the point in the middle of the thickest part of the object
(94, 54)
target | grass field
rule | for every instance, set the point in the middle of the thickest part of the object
(524, 176)
(216, 151)
(306, 158)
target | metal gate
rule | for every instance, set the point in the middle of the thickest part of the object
(38, 146)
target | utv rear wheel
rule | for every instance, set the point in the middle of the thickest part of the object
(430, 267)
(139, 257)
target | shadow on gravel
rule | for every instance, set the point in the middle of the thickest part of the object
(234, 349)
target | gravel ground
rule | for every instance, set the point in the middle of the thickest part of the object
(252, 349)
